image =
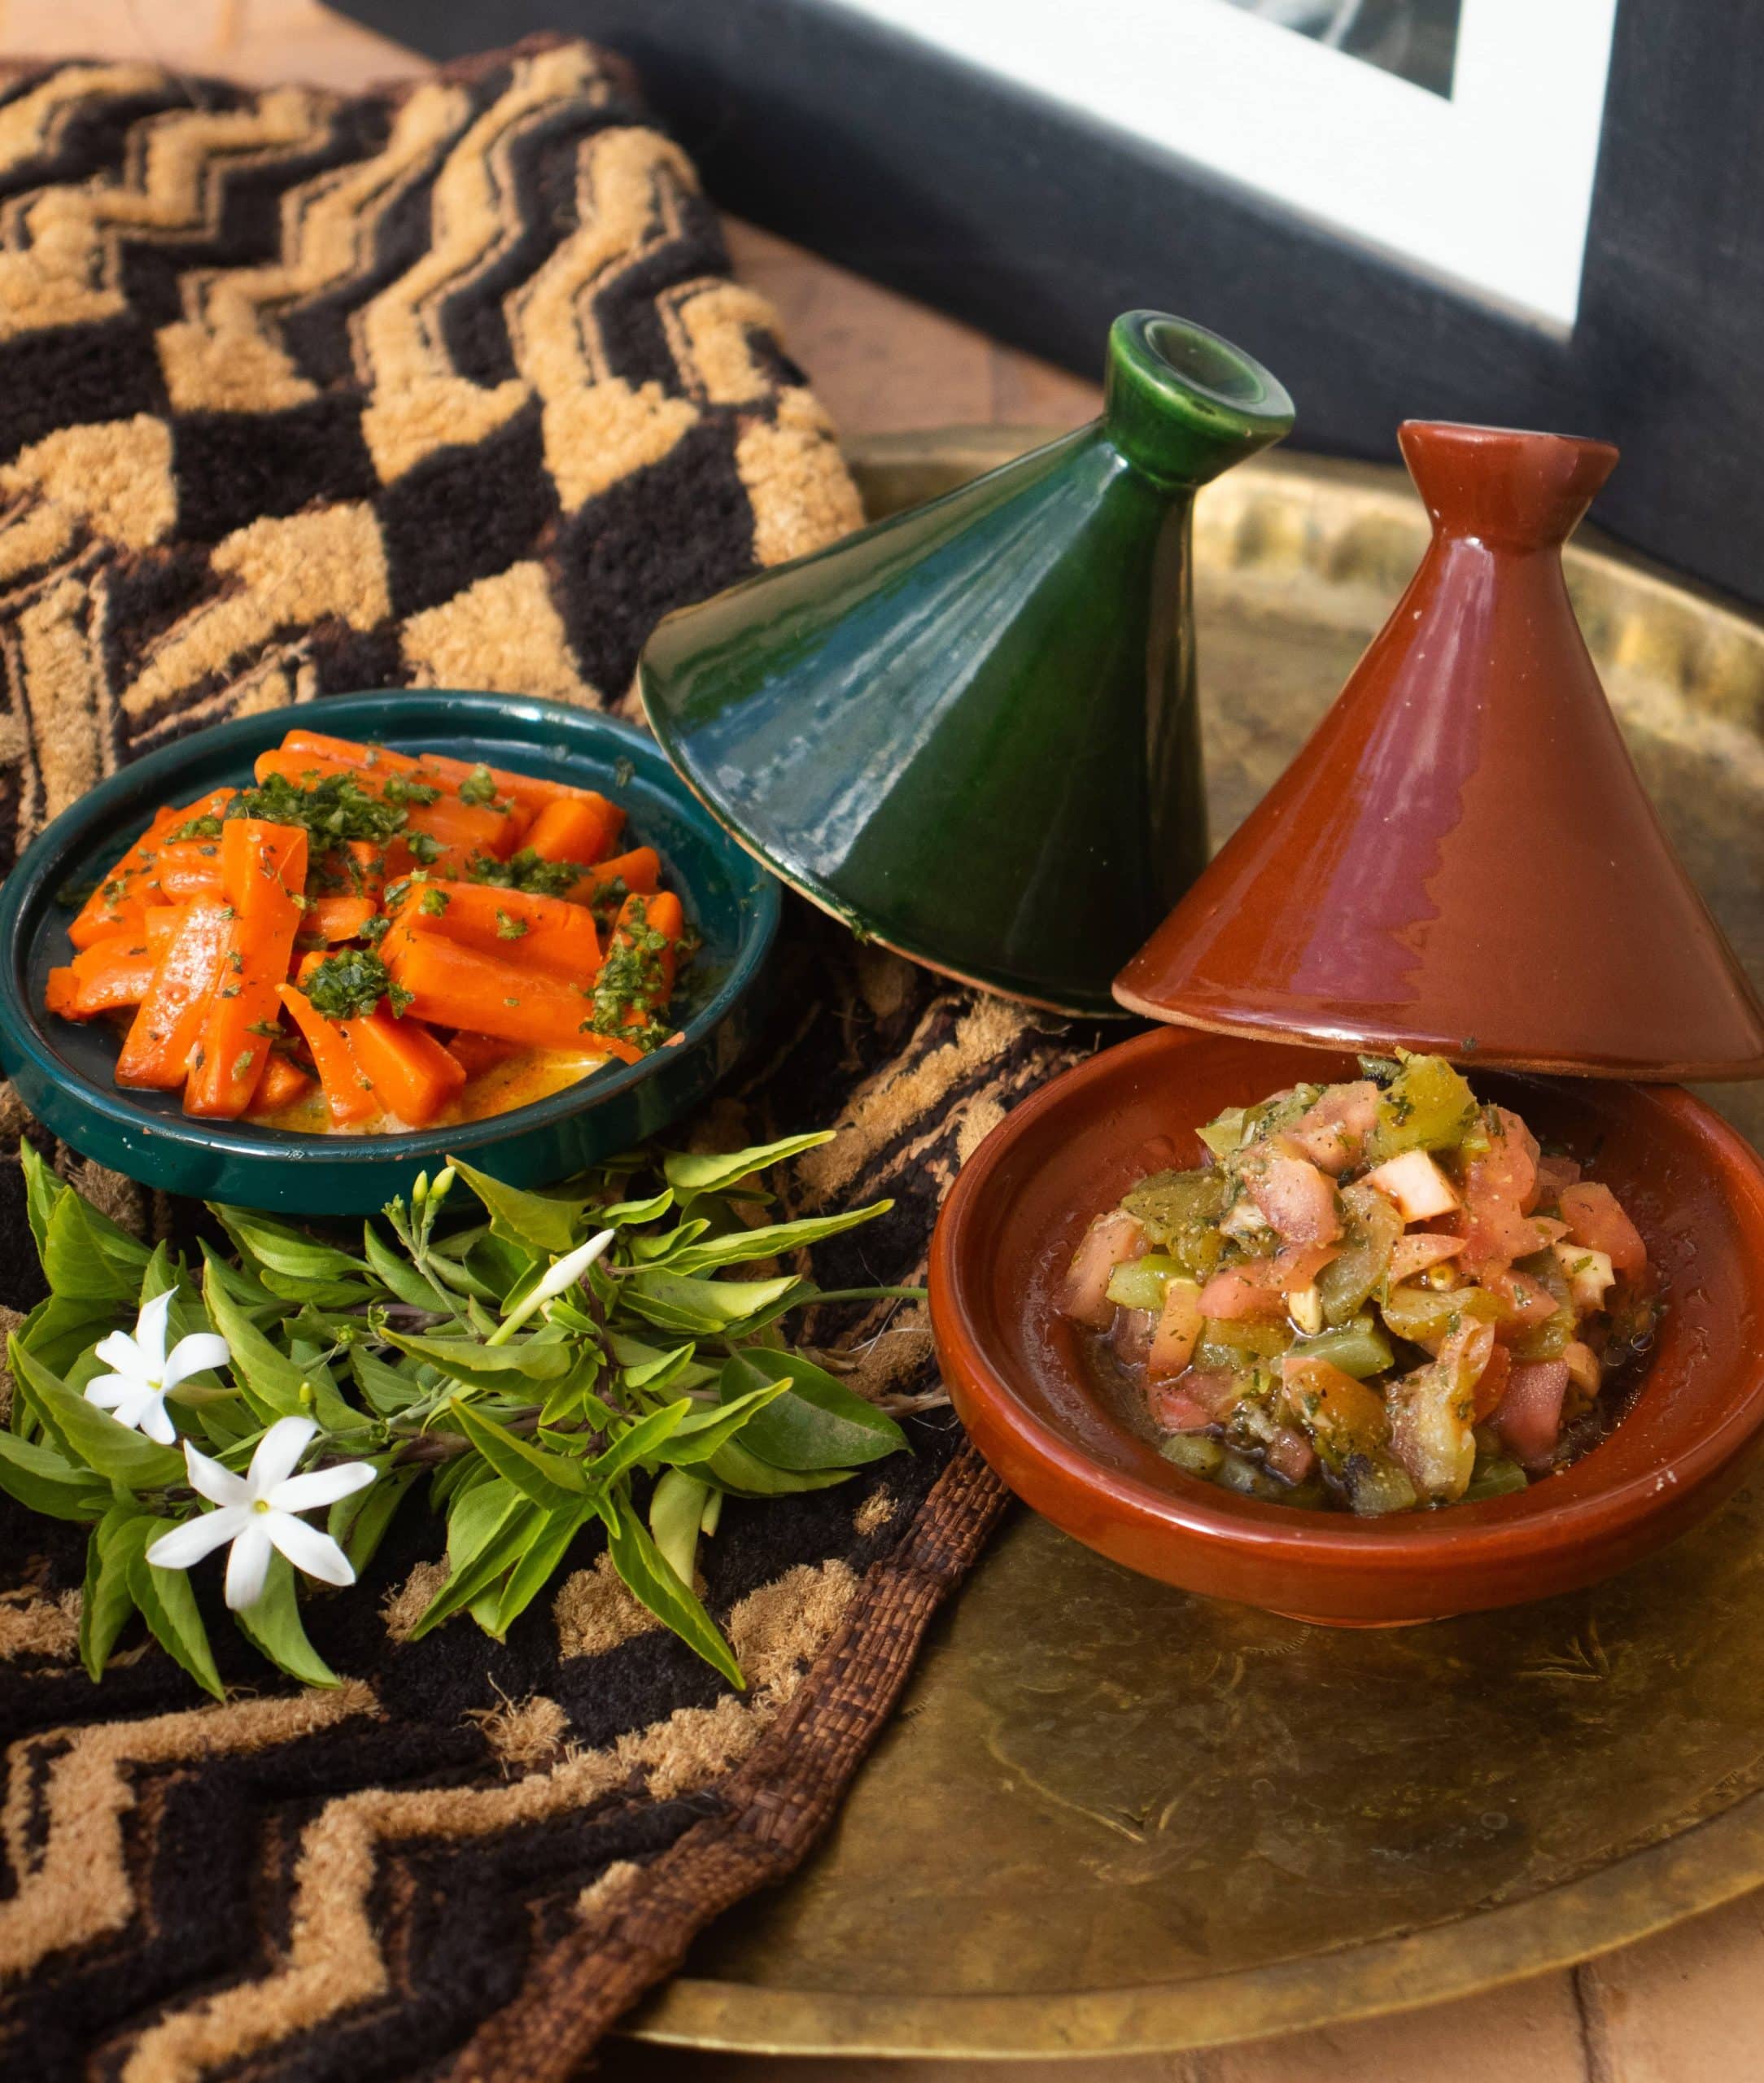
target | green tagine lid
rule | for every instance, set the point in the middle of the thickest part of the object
(969, 731)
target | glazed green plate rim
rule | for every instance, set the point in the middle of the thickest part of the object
(386, 715)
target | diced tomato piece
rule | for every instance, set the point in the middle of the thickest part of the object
(1333, 1133)
(1419, 1250)
(1176, 1411)
(1259, 1286)
(1290, 1455)
(1553, 1174)
(1529, 1416)
(1492, 1385)
(1529, 1302)
(1111, 1241)
(1292, 1194)
(1508, 1170)
(1595, 1218)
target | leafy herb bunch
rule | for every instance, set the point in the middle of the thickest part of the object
(571, 1356)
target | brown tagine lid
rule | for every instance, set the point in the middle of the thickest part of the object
(1463, 858)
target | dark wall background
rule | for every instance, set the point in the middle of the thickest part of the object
(1039, 227)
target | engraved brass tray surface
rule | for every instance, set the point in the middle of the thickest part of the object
(1112, 1817)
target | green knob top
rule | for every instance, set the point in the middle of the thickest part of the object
(1183, 405)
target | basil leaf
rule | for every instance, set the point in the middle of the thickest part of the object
(676, 1512)
(42, 1190)
(118, 1542)
(271, 1380)
(507, 1520)
(397, 1274)
(819, 1424)
(539, 1563)
(637, 1444)
(705, 1432)
(621, 1214)
(647, 1575)
(276, 1248)
(538, 1221)
(548, 1479)
(741, 1245)
(487, 1367)
(690, 1174)
(90, 1436)
(168, 1605)
(45, 1481)
(710, 1308)
(386, 1389)
(272, 1625)
(62, 1329)
(747, 1476)
(87, 1258)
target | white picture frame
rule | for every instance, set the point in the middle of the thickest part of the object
(1489, 190)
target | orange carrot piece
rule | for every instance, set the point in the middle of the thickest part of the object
(61, 993)
(160, 923)
(111, 973)
(107, 909)
(512, 924)
(264, 866)
(411, 1071)
(156, 1052)
(447, 820)
(357, 868)
(186, 868)
(584, 829)
(337, 918)
(640, 920)
(348, 1094)
(283, 1084)
(637, 873)
(480, 1052)
(452, 985)
(528, 790)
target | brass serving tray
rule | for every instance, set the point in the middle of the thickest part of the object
(1114, 1818)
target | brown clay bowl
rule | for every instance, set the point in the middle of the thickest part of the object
(1694, 1188)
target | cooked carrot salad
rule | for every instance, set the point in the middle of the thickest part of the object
(369, 941)
(1376, 1295)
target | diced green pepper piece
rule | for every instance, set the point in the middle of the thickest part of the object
(1192, 1453)
(1376, 1484)
(1359, 1348)
(1427, 1106)
(1552, 1339)
(1179, 1212)
(1494, 1476)
(1225, 1133)
(1235, 1472)
(1426, 1314)
(1347, 1283)
(1139, 1283)
(1223, 1347)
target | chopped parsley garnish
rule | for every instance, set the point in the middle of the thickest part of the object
(349, 985)
(508, 928)
(332, 808)
(425, 849)
(401, 789)
(197, 827)
(632, 980)
(243, 1061)
(433, 902)
(527, 872)
(376, 930)
(478, 788)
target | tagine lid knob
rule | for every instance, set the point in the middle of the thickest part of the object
(1463, 858)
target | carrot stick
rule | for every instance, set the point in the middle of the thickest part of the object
(156, 1052)
(264, 867)
(117, 897)
(283, 1084)
(111, 973)
(348, 1094)
(336, 918)
(186, 868)
(447, 820)
(61, 993)
(637, 873)
(413, 1076)
(455, 986)
(642, 955)
(480, 1052)
(583, 829)
(160, 923)
(357, 868)
(528, 790)
(511, 924)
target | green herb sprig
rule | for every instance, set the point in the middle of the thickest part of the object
(463, 1355)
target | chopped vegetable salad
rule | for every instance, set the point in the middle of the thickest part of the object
(1376, 1295)
(369, 942)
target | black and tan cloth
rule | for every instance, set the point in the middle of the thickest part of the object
(450, 384)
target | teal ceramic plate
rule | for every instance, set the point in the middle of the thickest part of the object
(62, 1072)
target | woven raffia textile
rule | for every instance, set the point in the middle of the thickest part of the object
(300, 394)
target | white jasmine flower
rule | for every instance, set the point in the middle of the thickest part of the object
(144, 1374)
(256, 1513)
(563, 1276)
